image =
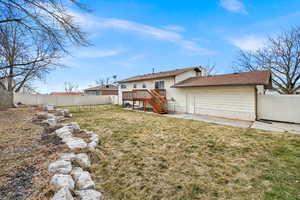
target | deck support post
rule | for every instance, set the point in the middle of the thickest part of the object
(133, 105)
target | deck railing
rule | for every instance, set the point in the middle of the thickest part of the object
(140, 94)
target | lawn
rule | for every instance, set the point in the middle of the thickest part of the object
(148, 156)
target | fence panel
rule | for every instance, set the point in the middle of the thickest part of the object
(38, 99)
(285, 108)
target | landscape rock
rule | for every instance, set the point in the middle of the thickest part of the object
(84, 181)
(42, 115)
(64, 132)
(68, 156)
(76, 171)
(84, 159)
(60, 166)
(60, 118)
(49, 107)
(61, 180)
(73, 125)
(74, 142)
(92, 145)
(94, 137)
(50, 121)
(88, 194)
(63, 194)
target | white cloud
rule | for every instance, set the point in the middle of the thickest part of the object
(248, 43)
(94, 23)
(96, 53)
(233, 6)
(174, 28)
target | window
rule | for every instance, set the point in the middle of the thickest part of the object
(134, 85)
(97, 92)
(144, 85)
(123, 86)
(160, 85)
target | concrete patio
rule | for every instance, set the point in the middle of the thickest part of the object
(263, 125)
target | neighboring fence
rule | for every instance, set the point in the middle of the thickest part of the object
(38, 99)
(285, 108)
(5, 99)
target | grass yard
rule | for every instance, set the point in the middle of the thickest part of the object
(147, 156)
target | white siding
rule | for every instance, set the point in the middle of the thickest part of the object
(236, 102)
(149, 83)
(185, 75)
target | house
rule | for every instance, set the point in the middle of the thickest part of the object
(189, 90)
(107, 89)
(67, 93)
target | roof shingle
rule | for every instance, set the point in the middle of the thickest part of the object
(159, 74)
(242, 78)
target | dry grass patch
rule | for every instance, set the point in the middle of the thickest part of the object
(25, 152)
(147, 156)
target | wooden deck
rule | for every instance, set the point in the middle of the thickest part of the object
(140, 95)
(156, 99)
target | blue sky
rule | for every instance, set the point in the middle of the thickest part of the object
(131, 37)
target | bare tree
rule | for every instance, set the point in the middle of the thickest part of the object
(49, 18)
(210, 68)
(100, 82)
(107, 80)
(115, 78)
(23, 60)
(281, 55)
(71, 87)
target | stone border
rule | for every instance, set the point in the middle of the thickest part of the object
(69, 180)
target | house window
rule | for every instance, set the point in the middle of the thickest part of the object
(97, 92)
(144, 85)
(160, 85)
(123, 86)
(134, 85)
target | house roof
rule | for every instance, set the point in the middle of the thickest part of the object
(242, 78)
(67, 93)
(164, 74)
(102, 87)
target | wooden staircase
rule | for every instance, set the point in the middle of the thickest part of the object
(157, 102)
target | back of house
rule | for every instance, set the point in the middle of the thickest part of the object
(190, 90)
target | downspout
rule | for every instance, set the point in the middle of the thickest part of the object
(255, 90)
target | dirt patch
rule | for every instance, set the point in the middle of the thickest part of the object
(49, 137)
(19, 186)
(24, 143)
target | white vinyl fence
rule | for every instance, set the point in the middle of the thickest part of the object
(40, 99)
(285, 108)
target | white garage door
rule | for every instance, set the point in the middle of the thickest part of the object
(236, 102)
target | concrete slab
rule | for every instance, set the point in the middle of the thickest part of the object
(210, 119)
(277, 126)
(267, 126)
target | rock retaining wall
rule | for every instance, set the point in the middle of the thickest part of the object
(71, 182)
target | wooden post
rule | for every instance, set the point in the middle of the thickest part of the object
(133, 105)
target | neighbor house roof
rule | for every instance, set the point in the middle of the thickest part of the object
(67, 93)
(102, 87)
(242, 78)
(164, 74)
